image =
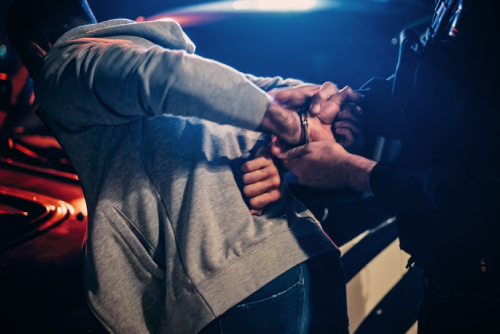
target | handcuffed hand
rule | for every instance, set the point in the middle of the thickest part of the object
(300, 97)
(317, 131)
(329, 105)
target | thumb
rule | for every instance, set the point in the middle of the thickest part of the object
(278, 148)
(293, 153)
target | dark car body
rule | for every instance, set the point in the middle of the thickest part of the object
(43, 222)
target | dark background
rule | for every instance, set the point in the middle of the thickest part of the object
(347, 44)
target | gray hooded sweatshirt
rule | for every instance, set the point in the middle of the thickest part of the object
(171, 243)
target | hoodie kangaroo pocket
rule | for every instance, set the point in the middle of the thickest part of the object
(134, 241)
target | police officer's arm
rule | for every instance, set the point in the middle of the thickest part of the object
(465, 191)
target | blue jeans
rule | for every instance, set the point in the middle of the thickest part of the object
(309, 298)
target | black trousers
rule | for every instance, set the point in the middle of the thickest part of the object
(460, 304)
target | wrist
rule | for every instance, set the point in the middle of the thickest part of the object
(358, 170)
(283, 123)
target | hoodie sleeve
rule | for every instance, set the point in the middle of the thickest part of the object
(269, 83)
(99, 81)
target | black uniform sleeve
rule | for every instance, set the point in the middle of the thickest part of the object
(454, 195)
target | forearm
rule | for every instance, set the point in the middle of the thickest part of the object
(282, 122)
(357, 172)
(124, 81)
(187, 85)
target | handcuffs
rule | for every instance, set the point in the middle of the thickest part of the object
(304, 124)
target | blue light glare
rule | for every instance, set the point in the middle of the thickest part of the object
(240, 6)
(212, 11)
(3, 50)
(275, 5)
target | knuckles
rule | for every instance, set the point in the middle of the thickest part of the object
(275, 195)
(275, 181)
(247, 178)
(252, 192)
(261, 201)
(256, 203)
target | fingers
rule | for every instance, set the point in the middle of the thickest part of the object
(255, 164)
(263, 181)
(279, 148)
(347, 125)
(350, 95)
(263, 158)
(268, 173)
(294, 97)
(256, 212)
(261, 201)
(287, 155)
(261, 174)
(330, 108)
(321, 97)
(262, 187)
(294, 165)
(345, 137)
(282, 95)
(350, 111)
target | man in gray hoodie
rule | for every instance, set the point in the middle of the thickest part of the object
(171, 245)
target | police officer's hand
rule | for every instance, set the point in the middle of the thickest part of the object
(326, 107)
(347, 124)
(340, 110)
(327, 164)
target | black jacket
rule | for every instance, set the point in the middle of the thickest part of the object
(445, 187)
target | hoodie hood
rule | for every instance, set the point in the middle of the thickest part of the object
(166, 33)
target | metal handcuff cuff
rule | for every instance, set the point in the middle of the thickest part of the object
(304, 125)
